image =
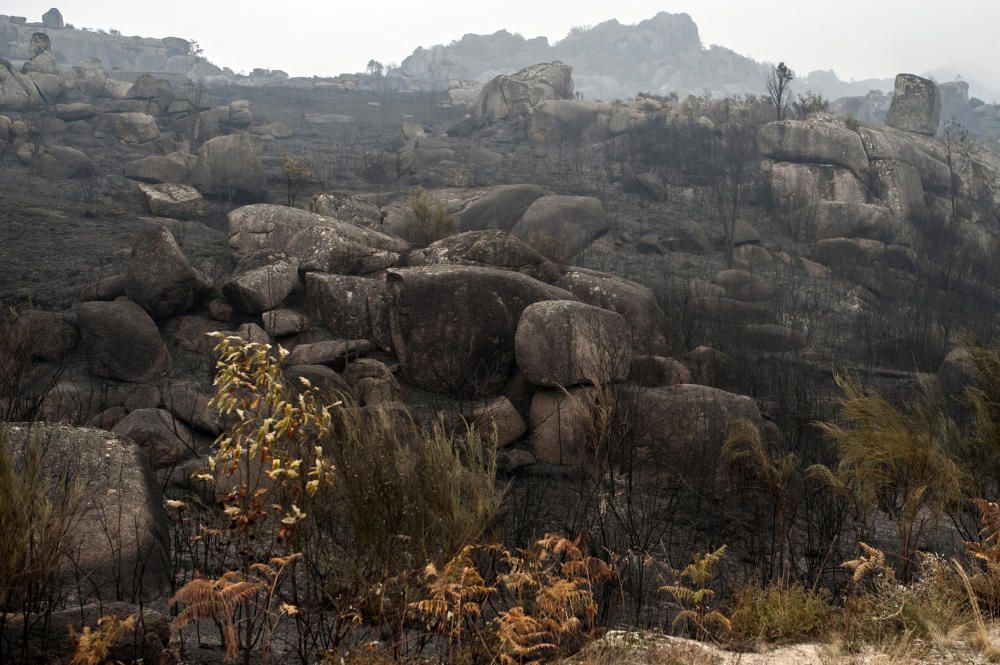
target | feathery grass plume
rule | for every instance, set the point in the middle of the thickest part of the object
(744, 450)
(426, 222)
(37, 515)
(981, 633)
(408, 492)
(893, 461)
(694, 595)
(983, 396)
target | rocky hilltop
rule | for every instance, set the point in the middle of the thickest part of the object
(663, 54)
(127, 56)
(115, 51)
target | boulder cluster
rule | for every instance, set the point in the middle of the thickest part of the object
(478, 324)
(149, 114)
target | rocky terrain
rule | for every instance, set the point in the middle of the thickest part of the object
(515, 273)
(661, 55)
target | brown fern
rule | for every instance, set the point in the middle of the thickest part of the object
(869, 564)
(554, 584)
(219, 599)
(93, 647)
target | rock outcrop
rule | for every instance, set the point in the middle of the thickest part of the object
(122, 527)
(453, 327)
(565, 343)
(509, 96)
(264, 226)
(121, 341)
(916, 105)
(173, 200)
(230, 167)
(160, 278)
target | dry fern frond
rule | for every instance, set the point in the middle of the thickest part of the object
(94, 646)
(870, 563)
(694, 595)
(988, 547)
(219, 599)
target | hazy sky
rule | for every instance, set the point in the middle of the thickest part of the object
(857, 38)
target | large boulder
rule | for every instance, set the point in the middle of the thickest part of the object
(499, 207)
(229, 167)
(495, 249)
(91, 78)
(916, 105)
(121, 341)
(635, 302)
(49, 336)
(863, 253)
(119, 544)
(496, 420)
(835, 219)
(957, 372)
(887, 144)
(157, 91)
(899, 188)
(328, 351)
(567, 223)
(164, 439)
(772, 338)
(53, 19)
(514, 95)
(173, 201)
(561, 425)
(240, 114)
(186, 402)
(61, 162)
(815, 141)
(75, 111)
(710, 367)
(682, 428)
(373, 382)
(262, 281)
(729, 310)
(558, 120)
(658, 371)
(175, 167)
(330, 386)
(350, 307)
(17, 91)
(131, 127)
(794, 186)
(282, 322)
(327, 249)
(160, 279)
(567, 343)
(453, 327)
(745, 285)
(41, 59)
(50, 87)
(264, 226)
(5, 137)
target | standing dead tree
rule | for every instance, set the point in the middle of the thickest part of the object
(779, 89)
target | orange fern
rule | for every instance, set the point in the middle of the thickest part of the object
(219, 599)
